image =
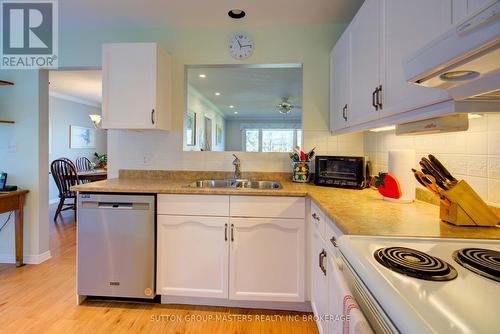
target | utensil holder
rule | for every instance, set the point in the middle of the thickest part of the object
(301, 171)
(467, 208)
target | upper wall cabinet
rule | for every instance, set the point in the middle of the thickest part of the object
(339, 81)
(368, 61)
(136, 85)
(403, 32)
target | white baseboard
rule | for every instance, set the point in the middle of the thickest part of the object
(28, 259)
(285, 306)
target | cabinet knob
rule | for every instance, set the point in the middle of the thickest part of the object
(333, 240)
(375, 99)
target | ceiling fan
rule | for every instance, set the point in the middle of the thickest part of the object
(285, 107)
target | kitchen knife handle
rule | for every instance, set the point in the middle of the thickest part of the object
(443, 169)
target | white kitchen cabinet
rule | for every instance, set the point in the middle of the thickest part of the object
(464, 8)
(380, 38)
(224, 250)
(192, 256)
(404, 32)
(340, 88)
(364, 65)
(319, 280)
(267, 259)
(136, 86)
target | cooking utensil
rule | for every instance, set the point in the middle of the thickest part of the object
(429, 170)
(430, 183)
(418, 178)
(443, 169)
(436, 170)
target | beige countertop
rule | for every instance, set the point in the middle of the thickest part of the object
(355, 212)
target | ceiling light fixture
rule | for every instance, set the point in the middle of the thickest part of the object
(217, 94)
(236, 14)
(285, 106)
(96, 120)
(236, 113)
(231, 106)
(203, 76)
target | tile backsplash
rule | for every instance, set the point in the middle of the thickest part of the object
(473, 155)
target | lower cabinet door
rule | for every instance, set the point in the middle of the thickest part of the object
(193, 256)
(319, 281)
(267, 259)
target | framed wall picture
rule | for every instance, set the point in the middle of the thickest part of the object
(81, 137)
(190, 128)
(218, 134)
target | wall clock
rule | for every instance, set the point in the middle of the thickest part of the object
(240, 46)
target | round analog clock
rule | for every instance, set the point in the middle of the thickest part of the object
(240, 46)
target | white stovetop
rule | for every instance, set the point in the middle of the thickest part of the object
(468, 304)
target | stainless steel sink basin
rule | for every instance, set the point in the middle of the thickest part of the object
(261, 185)
(234, 183)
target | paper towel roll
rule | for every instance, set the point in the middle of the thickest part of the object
(400, 164)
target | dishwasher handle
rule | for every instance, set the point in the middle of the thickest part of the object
(115, 205)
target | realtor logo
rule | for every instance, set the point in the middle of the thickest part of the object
(29, 34)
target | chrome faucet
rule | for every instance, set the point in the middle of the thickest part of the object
(237, 167)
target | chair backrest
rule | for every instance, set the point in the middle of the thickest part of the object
(65, 176)
(68, 160)
(83, 164)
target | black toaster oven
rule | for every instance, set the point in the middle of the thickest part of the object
(341, 172)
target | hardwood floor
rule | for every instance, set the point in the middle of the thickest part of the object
(41, 299)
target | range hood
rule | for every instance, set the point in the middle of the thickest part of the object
(465, 60)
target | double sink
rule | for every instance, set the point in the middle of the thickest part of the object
(235, 183)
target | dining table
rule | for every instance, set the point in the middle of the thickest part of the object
(93, 175)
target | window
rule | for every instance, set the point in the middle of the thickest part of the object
(252, 140)
(271, 140)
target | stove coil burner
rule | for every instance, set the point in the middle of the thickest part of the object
(414, 263)
(484, 262)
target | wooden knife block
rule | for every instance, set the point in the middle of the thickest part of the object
(467, 208)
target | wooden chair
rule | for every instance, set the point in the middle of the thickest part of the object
(83, 164)
(65, 176)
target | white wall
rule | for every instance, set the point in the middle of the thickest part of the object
(63, 114)
(200, 105)
(309, 45)
(473, 155)
(24, 156)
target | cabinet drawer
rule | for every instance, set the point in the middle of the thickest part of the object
(268, 206)
(318, 219)
(193, 205)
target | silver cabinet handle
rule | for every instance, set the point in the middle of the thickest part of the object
(379, 97)
(315, 216)
(322, 256)
(225, 232)
(333, 240)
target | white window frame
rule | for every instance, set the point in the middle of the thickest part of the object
(244, 137)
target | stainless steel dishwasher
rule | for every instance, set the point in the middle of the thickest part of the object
(116, 245)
